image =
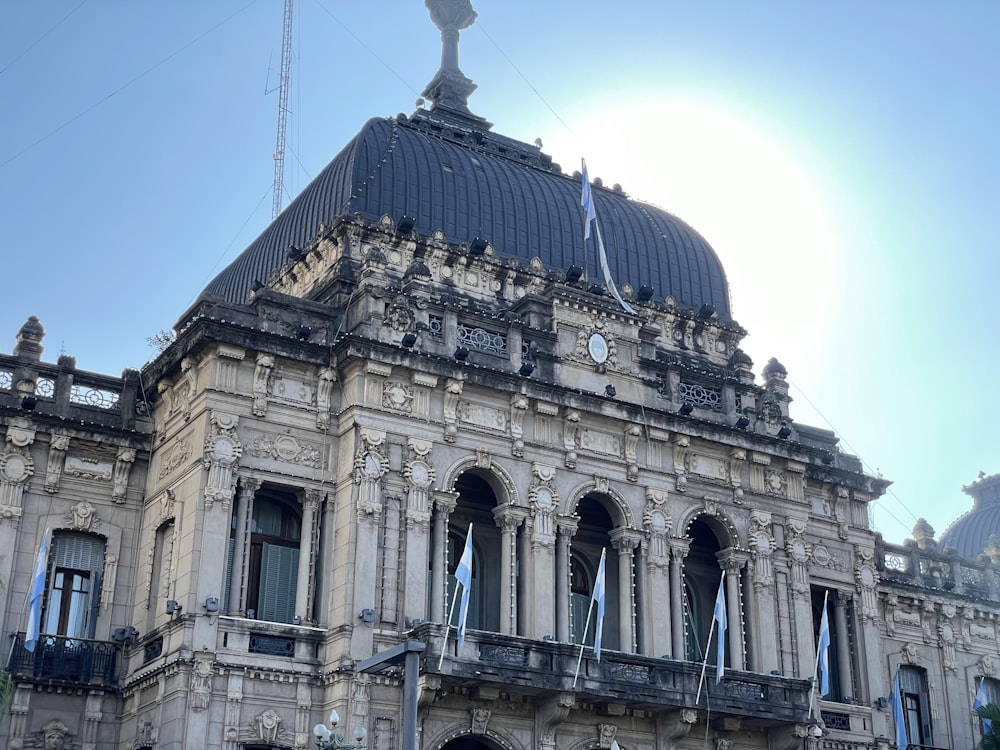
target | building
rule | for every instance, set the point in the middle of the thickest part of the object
(418, 350)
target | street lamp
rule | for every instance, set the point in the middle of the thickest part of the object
(327, 738)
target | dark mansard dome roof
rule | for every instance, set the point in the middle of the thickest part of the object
(969, 534)
(451, 173)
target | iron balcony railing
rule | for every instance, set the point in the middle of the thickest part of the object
(58, 660)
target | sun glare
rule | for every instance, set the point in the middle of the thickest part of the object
(742, 184)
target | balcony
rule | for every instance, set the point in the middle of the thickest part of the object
(56, 660)
(546, 668)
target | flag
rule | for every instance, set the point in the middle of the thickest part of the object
(896, 700)
(37, 592)
(463, 574)
(587, 202)
(824, 653)
(599, 600)
(720, 618)
(981, 700)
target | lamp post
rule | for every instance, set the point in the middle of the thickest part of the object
(330, 738)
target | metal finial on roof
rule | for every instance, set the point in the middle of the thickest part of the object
(450, 89)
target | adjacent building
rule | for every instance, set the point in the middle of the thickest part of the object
(423, 349)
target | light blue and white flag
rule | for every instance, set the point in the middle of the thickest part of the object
(587, 202)
(463, 574)
(981, 700)
(37, 593)
(824, 652)
(721, 623)
(599, 600)
(896, 701)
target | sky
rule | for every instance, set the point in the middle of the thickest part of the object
(842, 158)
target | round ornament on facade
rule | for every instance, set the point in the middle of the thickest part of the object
(597, 347)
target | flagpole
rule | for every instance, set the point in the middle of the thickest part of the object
(812, 690)
(447, 628)
(583, 642)
(704, 663)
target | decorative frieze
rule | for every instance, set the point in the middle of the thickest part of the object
(287, 449)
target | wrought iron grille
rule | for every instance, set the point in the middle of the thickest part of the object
(81, 394)
(152, 650)
(481, 339)
(45, 387)
(836, 720)
(58, 660)
(895, 562)
(6, 380)
(503, 654)
(271, 645)
(435, 326)
(700, 395)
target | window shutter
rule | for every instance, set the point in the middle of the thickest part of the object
(227, 589)
(278, 577)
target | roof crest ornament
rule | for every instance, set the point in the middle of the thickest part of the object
(450, 88)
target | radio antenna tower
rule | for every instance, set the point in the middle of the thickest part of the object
(279, 150)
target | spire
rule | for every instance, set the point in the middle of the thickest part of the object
(450, 89)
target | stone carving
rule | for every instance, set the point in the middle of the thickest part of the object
(452, 391)
(58, 445)
(571, 436)
(110, 577)
(910, 653)
(88, 468)
(324, 396)
(480, 718)
(657, 524)
(261, 376)
(632, 434)
(185, 389)
(54, 735)
(201, 685)
(482, 416)
(123, 467)
(420, 475)
(987, 666)
(268, 724)
(544, 503)
(867, 578)
(798, 556)
(287, 449)
(681, 444)
(221, 455)
(174, 456)
(83, 516)
(762, 546)
(369, 467)
(518, 408)
(606, 735)
(946, 639)
(398, 396)
(737, 457)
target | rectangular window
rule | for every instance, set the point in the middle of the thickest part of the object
(916, 705)
(74, 585)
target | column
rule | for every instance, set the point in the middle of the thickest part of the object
(840, 600)
(625, 542)
(508, 524)
(679, 547)
(731, 564)
(303, 582)
(444, 504)
(565, 530)
(239, 572)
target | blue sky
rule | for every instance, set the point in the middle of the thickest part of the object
(842, 158)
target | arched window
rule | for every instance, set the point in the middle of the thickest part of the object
(701, 586)
(582, 574)
(456, 545)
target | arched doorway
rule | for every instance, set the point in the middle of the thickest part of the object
(473, 742)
